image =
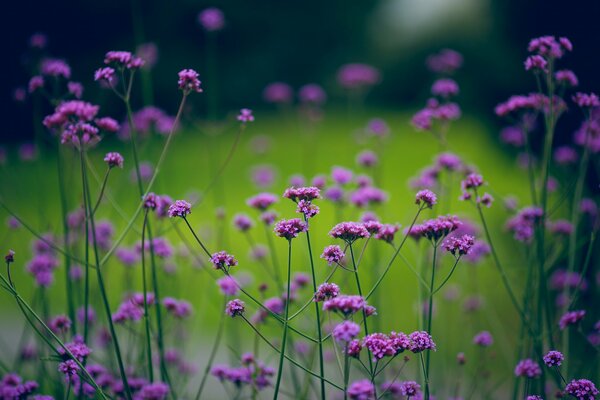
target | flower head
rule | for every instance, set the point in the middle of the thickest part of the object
(421, 341)
(245, 115)
(180, 208)
(333, 254)
(235, 307)
(553, 358)
(211, 19)
(528, 368)
(114, 159)
(582, 389)
(290, 228)
(188, 81)
(349, 231)
(427, 197)
(326, 291)
(361, 390)
(345, 304)
(483, 339)
(345, 331)
(570, 318)
(223, 260)
(459, 246)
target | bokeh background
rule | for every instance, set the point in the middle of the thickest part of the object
(298, 43)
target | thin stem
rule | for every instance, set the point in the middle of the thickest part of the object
(317, 312)
(285, 323)
(197, 238)
(430, 316)
(86, 291)
(146, 314)
(447, 277)
(213, 352)
(102, 188)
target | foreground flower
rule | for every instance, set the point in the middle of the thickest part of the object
(333, 254)
(459, 246)
(582, 389)
(114, 160)
(553, 358)
(180, 208)
(326, 291)
(345, 305)
(410, 388)
(189, 82)
(222, 260)
(235, 307)
(421, 341)
(349, 231)
(290, 228)
(427, 197)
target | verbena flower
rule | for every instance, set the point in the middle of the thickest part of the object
(242, 222)
(387, 233)
(308, 193)
(427, 197)
(444, 88)
(235, 307)
(379, 345)
(180, 208)
(553, 358)
(410, 388)
(177, 308)
(278, 93)
(570, 318)
(211, 19)
(223, 260)
(290, 228)
(245, 115)
(333, 254)
(483, 339)
(114, 159)
(189, 81)
(586, 100)
(528, 368)
(326, 291)
(349, 231)
(361, 390)
(123, 59)
(446, 61)
(582, 389)
(345, 304)
(421, 341)
(262, 201)
(312, 94)
(358, 76)
(459, 246)
(345, 331)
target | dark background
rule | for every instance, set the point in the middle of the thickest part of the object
(291, 41)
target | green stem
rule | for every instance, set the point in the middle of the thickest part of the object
(317, 312)
(285, 322)
(447, 277)
(102, 188)
(430, 316)
(146, 314)
(213, 353)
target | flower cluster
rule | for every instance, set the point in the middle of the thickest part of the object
(528, 368)
(180, 208)
(349, 231)
(178, 308)
(459, 246)
(223, 260)
(253, 373)
(570, 318)
(326, 291)
(123, 59)
(582, 389)
(188, 81)
(436, 229)
(290, 228)
(235, 307)
(553, 358)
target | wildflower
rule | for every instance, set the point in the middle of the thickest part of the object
(570, 318)
(486, 200)
(262, 201)
(312, 94)
(436, 229)
(421, 341)
(354, 348)
(326, 291)
(68, 368)
(189, 82)
(446, 61)
(113, 159)
(373, 227)
(410, 388)
(278, 93)
(235, 307)
(427, 197)
(178, 308)
(290, 228)
(361, 390)
(345, 331)
(358, 76)
(379, 345)
(333, 254)
(9, 257)
(308, 193)
(566, 77)
(268, 217)
(341, 176)
(242, 222)
(306, 208)
(245, 115)
(583, 389)
(444, 88)
(553, 358)
(483, 339)
(180, 208)
(223, 260)
(55, 68)
(387, 233)
(345, 304)
(123, 59)
(366, 158)
(528, 368)
(334, 194)
(536, 63)
(585, 100)
(105, 74)
(522, 225)
(378, 127)
(459, 246)
(211, 19)
(153, 391)
(349, 231)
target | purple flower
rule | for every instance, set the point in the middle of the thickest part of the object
(528, 368)
(245, 115)
(228, 286)
(177, 308)
(345, 331)
(427, 197)
(570, 318)
(312, 94)
(483, 339)
(341, 176)
(334, 194)
(522, 225)
(361, 390)
(123, 59)
(290, 228)
(345, 304)
(60, 324)
(436, 229)
(180, 208)
(421, 341)
(358, 76)
(459, 246)
(56, 68)
(242, 222)
(105, 74)
(536, 63)
(349, 231)
(399, 341)
(113, 160)
(235, 307)
(446, 61)
(68, 368)
(553, 358)
(354, 348)
(565, 155)
(308, 193)
(566, 77)
(366, 158)
(378, 127)
(278, 93)
(387, 232)
(9, 257)
(379, 345)
(211, 19)
(306, 208)
(223, 260)
(586, 100)
(189, 82)
(582, 389)
(153, 391)
(444, 88)
(333, 254)
(262, 201)
(410, 388)
(35, 83)
(326, 291)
